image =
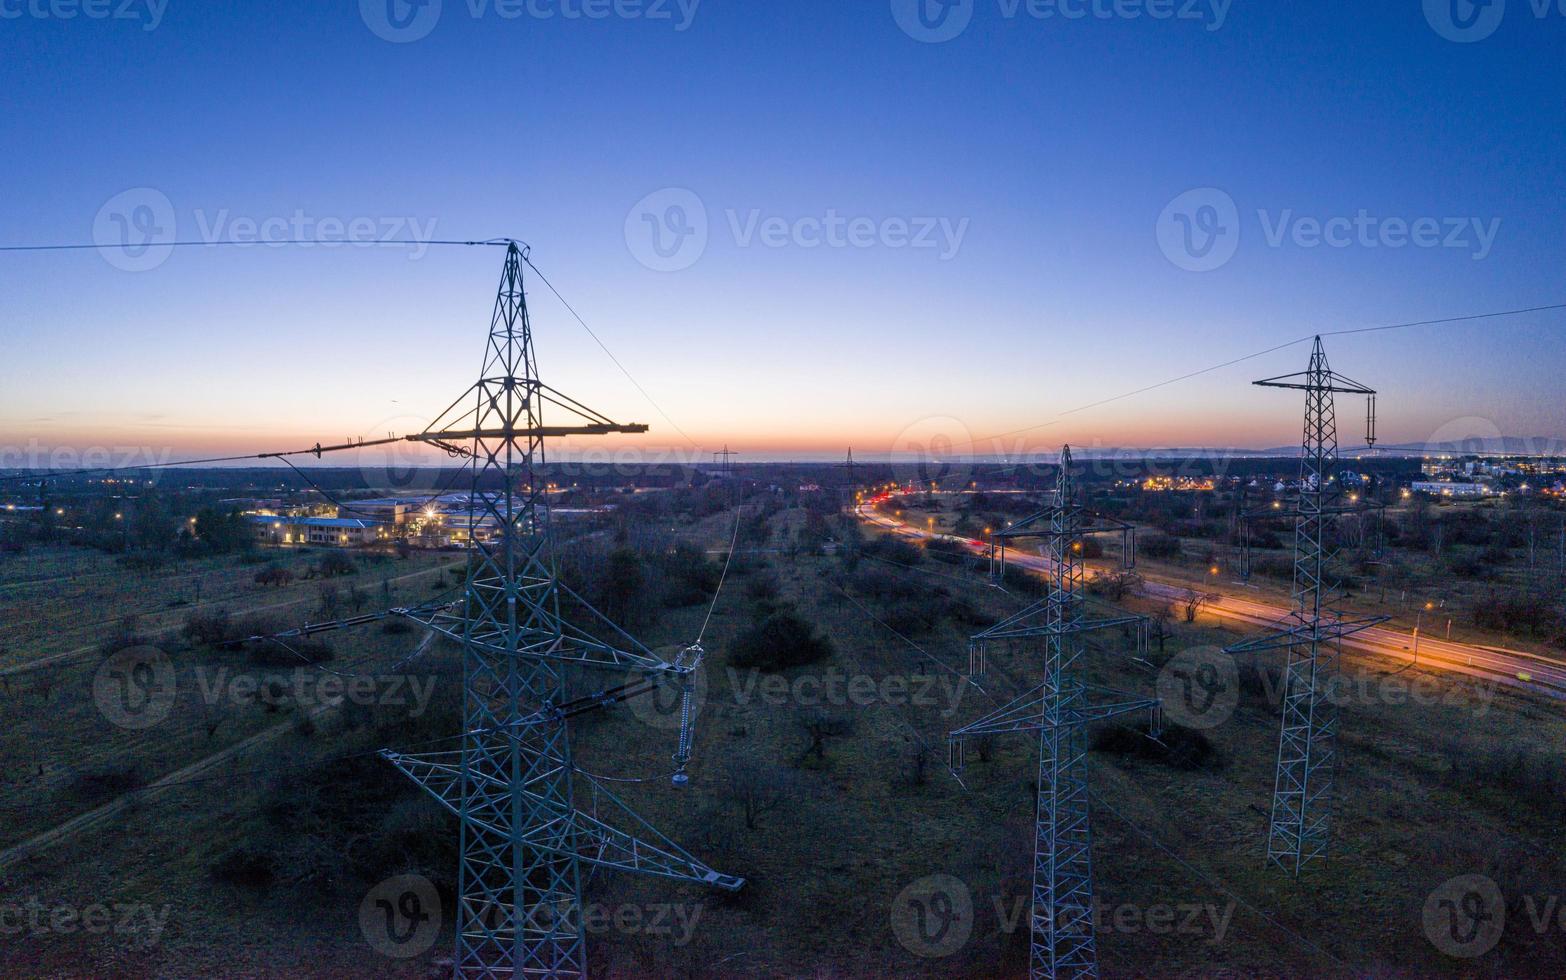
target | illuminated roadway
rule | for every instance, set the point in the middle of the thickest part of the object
(1513, 668)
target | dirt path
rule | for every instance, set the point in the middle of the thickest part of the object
(65, 655)
(92, 818)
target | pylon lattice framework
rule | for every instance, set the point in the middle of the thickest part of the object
(511, 785)
(1299, 827)
(1063, 942)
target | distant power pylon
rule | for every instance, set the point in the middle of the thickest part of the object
(725, 462)
(1063, 940)
(849, 466)
(1313, 633)
(512, 784)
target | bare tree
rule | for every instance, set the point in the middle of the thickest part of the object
(1158, 625)
(755, 789)
(330, 600)
(1116, 585)
(918, 752)
(820, 725)
(1194, 600)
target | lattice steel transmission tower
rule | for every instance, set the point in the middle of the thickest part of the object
(1059, 710)
(1313, 633)
(512, 785)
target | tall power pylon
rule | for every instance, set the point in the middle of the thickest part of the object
(1313, 633)
(1063, 940)
(512, 785)
(849, 466)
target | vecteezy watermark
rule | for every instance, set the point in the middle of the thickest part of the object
(308, 688)
(1465, 917)
(36, 456)
(664, 706)
(1467, 21)
(669, 230)
(933, 917)
(405, 21)
(935, 450)
(938, 21)
(1200, 687)
(135, 688)
(838, 688)
(1204, 920)
(136, 230)
(1200, 231)
(400, 917)
(33, 918)
(147, 13)
(672, 921)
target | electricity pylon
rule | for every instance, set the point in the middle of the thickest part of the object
(1298, 831)
(512, 783)
(1060, 709)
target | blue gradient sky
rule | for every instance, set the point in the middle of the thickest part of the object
(1058, 142)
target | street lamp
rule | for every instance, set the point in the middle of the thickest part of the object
(1419, 621)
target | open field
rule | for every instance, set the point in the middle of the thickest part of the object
(823, 784)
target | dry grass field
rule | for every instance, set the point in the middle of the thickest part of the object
(825, 785)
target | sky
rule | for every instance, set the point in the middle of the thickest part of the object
(799, 226)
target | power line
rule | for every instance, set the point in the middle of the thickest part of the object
(572, 310)
(1215, 883)
(232, 243)
(1263, 353)
(733, 541)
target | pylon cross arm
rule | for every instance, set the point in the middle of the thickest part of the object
(1018, 625)
(544, 645)
(1285, 635)
(561, 831)
(1030, 712)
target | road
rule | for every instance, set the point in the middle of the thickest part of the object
(1517, 669)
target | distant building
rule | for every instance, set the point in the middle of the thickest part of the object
(1445, 489)
(336, 532)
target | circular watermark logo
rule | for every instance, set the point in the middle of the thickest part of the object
(408, 469)
(135, 229)
(936, 450)
(135, 688)
(660, 708)
(1465, 916)
(1468, 436)
(400, 21)
(1200, 687)
(1199, 231)
(933, 917)
(933, 21)
(1465, 21)
(400, 917)
(667, 230)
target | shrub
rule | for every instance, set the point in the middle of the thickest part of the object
(275, 576)
(781, 641)
(1178, 748)
(212, 629)
(335, 564)
(104, 781)
(1160, 546)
